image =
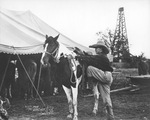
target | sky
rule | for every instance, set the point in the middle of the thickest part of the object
(80, 20)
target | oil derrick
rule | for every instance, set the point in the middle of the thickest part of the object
(120, 48)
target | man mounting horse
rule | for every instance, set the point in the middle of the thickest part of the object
(100, 72)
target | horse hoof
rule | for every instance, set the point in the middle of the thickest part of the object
(69, 116)
(94, 112)
(75, 118)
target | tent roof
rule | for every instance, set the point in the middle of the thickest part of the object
(22, 32)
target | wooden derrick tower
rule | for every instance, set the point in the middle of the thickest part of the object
(120, 43)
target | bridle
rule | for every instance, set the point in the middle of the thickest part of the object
(53, 52)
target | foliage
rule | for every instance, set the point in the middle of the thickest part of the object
(119, 49)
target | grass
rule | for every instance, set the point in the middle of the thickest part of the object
(126, 105)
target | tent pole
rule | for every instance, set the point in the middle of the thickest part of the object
(5, 73)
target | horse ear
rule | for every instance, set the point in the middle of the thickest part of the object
(57, 37)
(46, 36)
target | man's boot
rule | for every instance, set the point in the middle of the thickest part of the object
(110, 114)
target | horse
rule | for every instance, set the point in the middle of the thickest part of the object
(143, 65)
(65, 73)
(7, 76)
(27, 69)
(9, 80)
(45, 86)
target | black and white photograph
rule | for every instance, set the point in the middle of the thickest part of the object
(74, 60)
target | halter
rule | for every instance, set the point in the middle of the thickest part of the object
(52, 53)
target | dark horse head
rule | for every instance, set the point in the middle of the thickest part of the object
(51, 47)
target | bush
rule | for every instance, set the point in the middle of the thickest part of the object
(120, 79)
(120, 65)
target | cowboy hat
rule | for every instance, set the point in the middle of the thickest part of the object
(101, 44)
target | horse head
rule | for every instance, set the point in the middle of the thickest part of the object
(51, 47)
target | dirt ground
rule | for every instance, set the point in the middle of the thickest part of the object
(127, 105)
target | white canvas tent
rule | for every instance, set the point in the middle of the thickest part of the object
(22, 32)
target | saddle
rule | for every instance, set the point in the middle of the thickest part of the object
(71, 61)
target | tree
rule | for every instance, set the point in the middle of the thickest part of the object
(118, 49)
(107, 36)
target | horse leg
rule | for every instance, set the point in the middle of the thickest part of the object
(5, 92)
(69, 98)
(96, 97)
(10, 91)
(75, 95)
(31, 89)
